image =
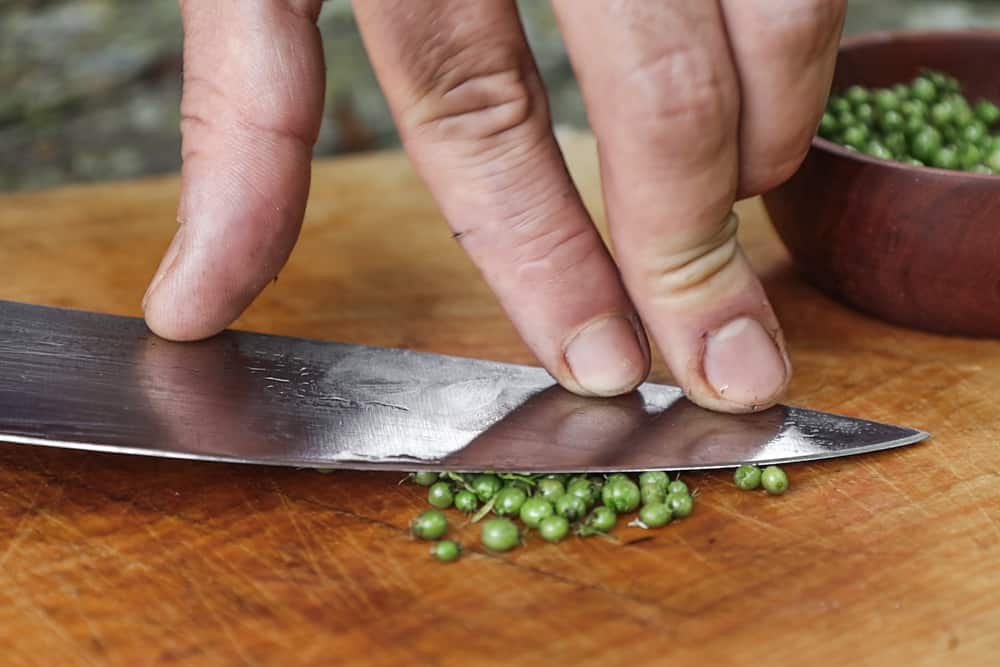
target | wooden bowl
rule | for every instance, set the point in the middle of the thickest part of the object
(915, 246)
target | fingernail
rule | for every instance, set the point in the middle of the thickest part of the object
(166, 264)
(606, 357)
(743, 363)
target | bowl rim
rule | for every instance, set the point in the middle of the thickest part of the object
(885, 36)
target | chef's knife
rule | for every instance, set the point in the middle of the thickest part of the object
(99, 382)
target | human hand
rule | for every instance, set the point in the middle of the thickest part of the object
(694, 104)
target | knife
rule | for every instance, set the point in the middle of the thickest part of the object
(91, 381)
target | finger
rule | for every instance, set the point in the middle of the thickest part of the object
(785, 53)
(472, 114)
(662, 95)
(253, 94)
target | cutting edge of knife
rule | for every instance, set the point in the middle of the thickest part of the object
(404, 465)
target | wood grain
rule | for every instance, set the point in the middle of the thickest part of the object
(887, 559)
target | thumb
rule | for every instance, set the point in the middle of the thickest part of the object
(253, 95)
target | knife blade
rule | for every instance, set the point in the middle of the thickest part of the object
(92, 381)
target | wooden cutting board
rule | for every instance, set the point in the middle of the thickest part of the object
(886, 559)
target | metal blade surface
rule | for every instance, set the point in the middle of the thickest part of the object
(99, 382)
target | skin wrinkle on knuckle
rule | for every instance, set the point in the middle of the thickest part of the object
(673, 97)
(203, 95)
(477, 91)
(522, 230)
(681, 274)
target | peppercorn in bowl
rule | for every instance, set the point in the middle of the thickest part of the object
(896, 208)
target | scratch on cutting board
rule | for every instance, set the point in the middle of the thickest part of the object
(896, 487)
(310, 554)
(749, 519)
(993, 522)
(20, 530)
(227, 629)
(58, 630)
(360, 595)
(851, 497)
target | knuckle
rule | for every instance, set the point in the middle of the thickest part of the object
(209, 107)
(474, 92)
(677, 275)
(306, 9)
(544, 252)
(770, 166)
(531, 230)
(802, 30)
(679, 83)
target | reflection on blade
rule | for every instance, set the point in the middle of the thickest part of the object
(98, 382)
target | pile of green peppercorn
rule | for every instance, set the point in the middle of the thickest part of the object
(557, 504)
(926, 122)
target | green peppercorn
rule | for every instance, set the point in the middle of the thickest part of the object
(973, 133)
(846, 119)
(886, 100)
(681, 504)
(429, 525)
(876, 148)
(838, 104)
(602, 519)
(440, 495)
(652, 494)
(896, 143)
(424, 477)
(969, 156)
(913, 125)
(584, 489)
(655, 515)
(509, 501)
(963, 114)
(553, 528)
(942, 113)
(466, 501)
(865, 113)
(500, 535)
(856, 136)
(987, 112)
(534, 510)
(925, 144)
(774, 480)
(945, 158)
(486, 486)
(677, 486)
(891, 121)
(621, 495)
(571, 507)
(993, 160)
(942, 81)
(747, 477)
(913, 108)
(657, 477)
(923, 89)
(857, 95)
(446, 551)
(550, 489)
(828, 127)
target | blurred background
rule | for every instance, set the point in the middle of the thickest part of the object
(89, 89)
